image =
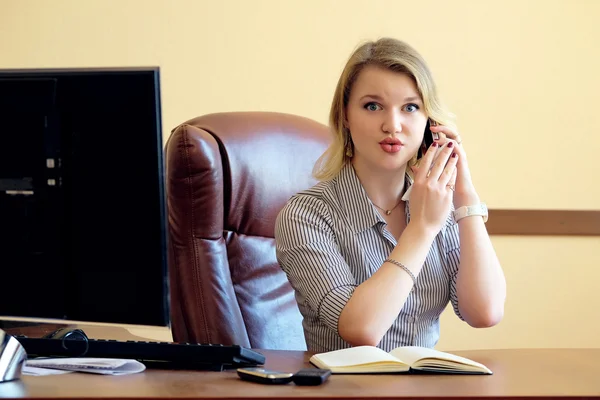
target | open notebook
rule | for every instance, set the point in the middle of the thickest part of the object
(369, 359)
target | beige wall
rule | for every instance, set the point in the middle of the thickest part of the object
(522, 76)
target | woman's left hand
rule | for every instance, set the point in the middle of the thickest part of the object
(465, 193)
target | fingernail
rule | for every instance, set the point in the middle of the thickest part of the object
(434, 144)
(449, 144)
(454, 155)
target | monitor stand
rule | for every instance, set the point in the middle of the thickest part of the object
(12, 358)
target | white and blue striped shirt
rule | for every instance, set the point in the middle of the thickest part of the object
(330, 238)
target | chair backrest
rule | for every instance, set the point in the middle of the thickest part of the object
(228, 176)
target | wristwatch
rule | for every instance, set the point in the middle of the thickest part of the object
(467, 211)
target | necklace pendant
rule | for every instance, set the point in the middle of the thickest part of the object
(388, 212)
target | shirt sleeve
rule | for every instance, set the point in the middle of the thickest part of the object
(308, 253)
(452, 259)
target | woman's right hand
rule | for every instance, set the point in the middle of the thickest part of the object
(432, 190)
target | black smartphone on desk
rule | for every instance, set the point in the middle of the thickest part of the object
(311, 376)
(266, 376)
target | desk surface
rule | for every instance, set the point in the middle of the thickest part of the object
(557, 373)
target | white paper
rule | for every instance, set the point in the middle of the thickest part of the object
(35, 371)
(105, 366)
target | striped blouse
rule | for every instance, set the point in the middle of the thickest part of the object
(331, 238)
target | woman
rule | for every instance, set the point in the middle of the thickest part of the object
(377, 249)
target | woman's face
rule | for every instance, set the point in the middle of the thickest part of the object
(385, 118)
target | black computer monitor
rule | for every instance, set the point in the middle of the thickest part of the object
(82, 203)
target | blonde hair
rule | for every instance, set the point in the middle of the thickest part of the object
(391, 54)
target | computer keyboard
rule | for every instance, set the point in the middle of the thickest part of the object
(213, 357)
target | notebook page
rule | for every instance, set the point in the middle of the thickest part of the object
(355, 356)
(410, 354)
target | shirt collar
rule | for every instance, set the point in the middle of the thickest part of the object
(408, 181)
(360, 211)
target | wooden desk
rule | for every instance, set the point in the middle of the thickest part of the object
(529, 373)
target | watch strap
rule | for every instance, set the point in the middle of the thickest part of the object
(472, 210)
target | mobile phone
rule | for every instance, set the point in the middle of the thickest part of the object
(428, 137)
(311, 376)
(266, 376)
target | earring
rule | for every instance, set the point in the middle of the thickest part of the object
(349, 152)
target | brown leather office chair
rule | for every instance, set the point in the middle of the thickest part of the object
(228, 176)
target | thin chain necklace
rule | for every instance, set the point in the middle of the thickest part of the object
(388, 212)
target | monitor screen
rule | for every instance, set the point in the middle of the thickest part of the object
(82, 205)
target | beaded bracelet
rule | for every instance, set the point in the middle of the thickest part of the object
(408, 271)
